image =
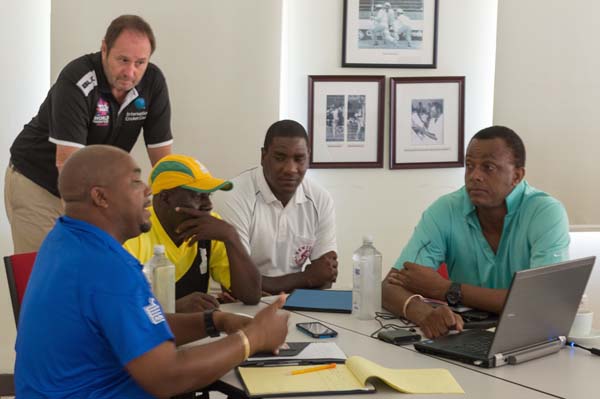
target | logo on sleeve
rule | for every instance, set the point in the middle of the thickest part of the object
(154, 312)
(102, 113)
(88, 82)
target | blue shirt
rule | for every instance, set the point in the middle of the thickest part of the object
(535, 233)
(87, 312)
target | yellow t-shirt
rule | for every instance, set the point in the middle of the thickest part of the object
(142, 247)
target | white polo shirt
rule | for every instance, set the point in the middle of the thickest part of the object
(280, 240)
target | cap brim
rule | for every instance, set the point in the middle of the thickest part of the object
(209, 186)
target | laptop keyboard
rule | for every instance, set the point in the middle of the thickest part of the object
(479, 345)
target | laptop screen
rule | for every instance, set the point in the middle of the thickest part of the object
(541, 304)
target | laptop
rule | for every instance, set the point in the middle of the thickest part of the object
(319, 301)
(538, 312)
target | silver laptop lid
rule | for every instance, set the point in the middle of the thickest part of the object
(541, 304)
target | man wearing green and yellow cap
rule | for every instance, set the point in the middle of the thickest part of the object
(196, 240)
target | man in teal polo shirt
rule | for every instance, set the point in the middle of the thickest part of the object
(492, 227)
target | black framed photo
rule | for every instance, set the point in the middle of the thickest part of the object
(345, 121)
(427, 122)
(390, 34)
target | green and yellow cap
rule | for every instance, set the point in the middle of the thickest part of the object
(182, 171)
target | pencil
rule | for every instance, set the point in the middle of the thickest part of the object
(316, 368)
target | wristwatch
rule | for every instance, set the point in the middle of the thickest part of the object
(209, 323)
(454, 294)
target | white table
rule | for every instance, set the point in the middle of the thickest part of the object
(353, 340)
(570, 373)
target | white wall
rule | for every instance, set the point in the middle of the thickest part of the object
(25, 79)
(383, 202)
(547, 90)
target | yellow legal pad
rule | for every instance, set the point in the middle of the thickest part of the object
(345, 378)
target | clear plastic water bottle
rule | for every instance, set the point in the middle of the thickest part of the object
(149, 274)
(163, 279)
(366, 292)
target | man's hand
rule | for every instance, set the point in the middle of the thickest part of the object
(225, 296)
(230, 322)
(203, 226)
(268, 329)
(420, 280)
(321, 272)
(439, 322)
(195, 302)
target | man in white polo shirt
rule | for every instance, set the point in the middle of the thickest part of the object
(285, 220)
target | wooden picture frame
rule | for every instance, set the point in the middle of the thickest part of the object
(390, 34)
(345, 121)
(427, 122)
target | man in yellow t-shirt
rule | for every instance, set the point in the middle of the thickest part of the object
(196, 240)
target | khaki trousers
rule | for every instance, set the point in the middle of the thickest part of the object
(31, 210)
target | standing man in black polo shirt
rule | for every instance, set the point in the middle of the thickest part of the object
(101, 98)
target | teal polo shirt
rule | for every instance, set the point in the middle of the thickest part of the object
(535, 233)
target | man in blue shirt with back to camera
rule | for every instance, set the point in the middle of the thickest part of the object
(495, 225)
(91, 328)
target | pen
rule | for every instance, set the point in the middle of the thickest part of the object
(316, 368)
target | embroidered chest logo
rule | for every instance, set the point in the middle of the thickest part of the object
(102, 116)
(154, 312)
(140, 113)
(301, 255)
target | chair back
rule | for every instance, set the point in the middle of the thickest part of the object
(18, 268)
(443, 271)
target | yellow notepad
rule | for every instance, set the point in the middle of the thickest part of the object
(345, 378)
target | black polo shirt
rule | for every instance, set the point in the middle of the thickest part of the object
(80, 110)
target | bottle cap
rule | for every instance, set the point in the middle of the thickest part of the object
(368, 239)
(159, 249)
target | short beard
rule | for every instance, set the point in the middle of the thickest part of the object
(145, 227)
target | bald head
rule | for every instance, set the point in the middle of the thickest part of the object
(95, 165)
(102, 185)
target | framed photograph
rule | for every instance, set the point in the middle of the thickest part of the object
(427, 122)
(390, 34)
(345, 121)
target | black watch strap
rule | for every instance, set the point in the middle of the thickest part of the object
(454, 294)
(209, 323)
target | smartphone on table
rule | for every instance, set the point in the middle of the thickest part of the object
(316, 329)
